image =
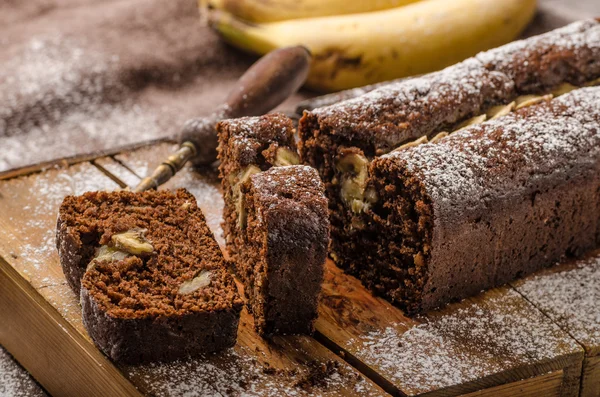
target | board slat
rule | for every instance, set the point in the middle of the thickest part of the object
(15, 380)
(484, 341)
(41, 341)
(569, 294)
(116, 171)
(28, 211)
(590, 383)
(545, 385)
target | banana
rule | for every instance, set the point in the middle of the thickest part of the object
(261, 11)
(359, 49)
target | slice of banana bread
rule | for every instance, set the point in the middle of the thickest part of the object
(285, 241)
(249, 145)
(275, 222)
(152, 280)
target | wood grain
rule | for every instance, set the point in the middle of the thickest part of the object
(495, 339)
(545, 385)
(53, 351)
(28, 209)
(116, 171)
(76, 159)
(15, 380)
(481, 342)
(590, 382)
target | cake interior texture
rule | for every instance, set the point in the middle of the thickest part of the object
(154, 283)
(248, 145)
(485, 205)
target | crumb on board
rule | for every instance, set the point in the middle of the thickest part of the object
(240, 374)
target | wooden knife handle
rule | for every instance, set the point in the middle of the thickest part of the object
(265, 85)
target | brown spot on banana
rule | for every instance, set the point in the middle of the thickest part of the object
(334, 59)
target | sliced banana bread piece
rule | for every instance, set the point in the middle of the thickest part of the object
(275, 222)
(152, 280)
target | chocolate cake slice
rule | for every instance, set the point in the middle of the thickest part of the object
(275, 222)
(152, 280)
(341, 140)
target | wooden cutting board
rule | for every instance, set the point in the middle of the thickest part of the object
(497, 343)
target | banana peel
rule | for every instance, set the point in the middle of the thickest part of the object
(359, 49)
(261, 11)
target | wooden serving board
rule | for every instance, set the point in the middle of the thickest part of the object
(497, 343)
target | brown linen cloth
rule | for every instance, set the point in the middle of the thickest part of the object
(78, 76)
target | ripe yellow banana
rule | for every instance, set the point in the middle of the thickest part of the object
(260, 11)
(359, 49)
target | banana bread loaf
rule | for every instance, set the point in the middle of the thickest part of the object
(485, 205)
(341, 140)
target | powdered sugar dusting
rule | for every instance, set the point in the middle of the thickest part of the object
(62, 298)
(474, 341)
(384, 118)
(96, 128)
(298, 186)
(14, 380)
(237, 372)
(385, 113)
(397, 112)
(570, 298)
(577, 35)
(33, 203)
(52, 70)
(249, 136)
(290, 178)
(469, 164)
(59, 99)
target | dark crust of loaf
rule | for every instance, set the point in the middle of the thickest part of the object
(287, 221)
(498, 201)
(129, 319)
(376, 123)
(134, 341)
(71, 252)
(386, 117)
(251, 140)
